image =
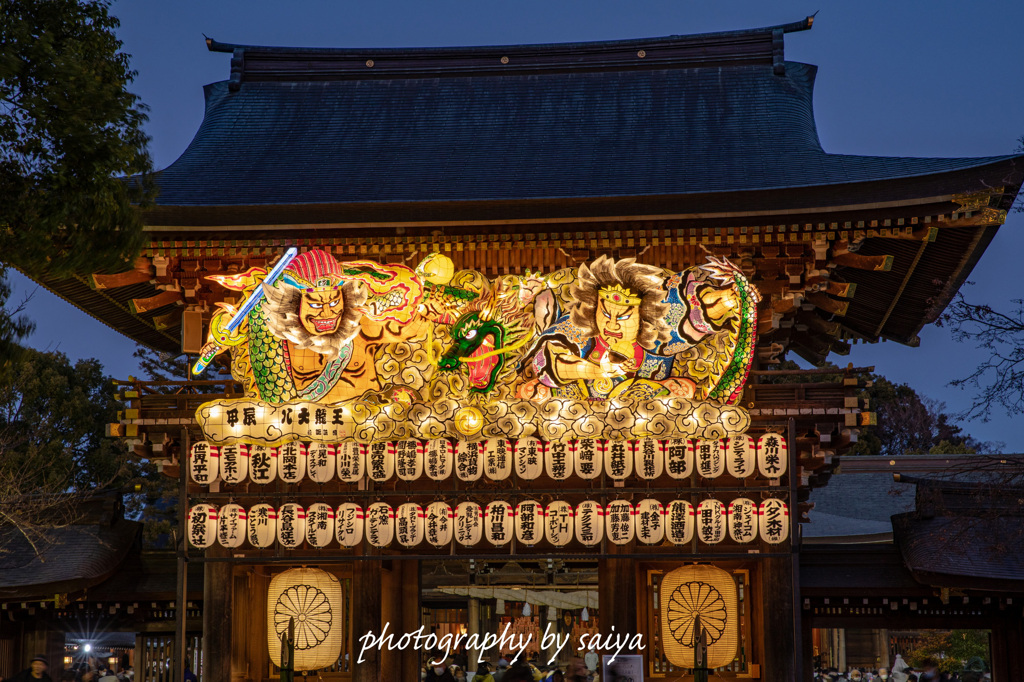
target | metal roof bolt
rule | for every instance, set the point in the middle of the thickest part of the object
(504, 60)
(641, 54)
(369, 63)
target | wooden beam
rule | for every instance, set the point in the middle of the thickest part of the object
(142, 272)
(164, 298)
(859, 262)
(827, 303)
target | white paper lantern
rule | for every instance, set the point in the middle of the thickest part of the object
(618, 460)
(351, 461)
(439, 459)
(618, 521)
(202, 525)
(321, 462)
(291, 462)
(708, 458)
(558, 461)
(348, 524)
(469, 460)
(262, 525)
(409, 524)
(498, 460)
(529, 522)
(311, 599)
(743, 520)
(203, 464)
(234, 463)
(711, 524)
(772, 455)
(679, 521)
(438, 524)
(408, 455)
(773, 522)
(589, 460)
(380, 524)
(678, 457)
(380, 462)
(589, 523)
(529, 459)
(739, 456)
(291, 525)
(498, 523)
(319, 524)
(262, 464)
(231, 525)
(558, 523)
(649, 461)
(469, 518)
(650, 522)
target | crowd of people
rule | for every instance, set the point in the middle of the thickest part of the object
(503, 671)
(91, 671)
(973, 671)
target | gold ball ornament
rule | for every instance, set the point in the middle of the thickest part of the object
(469, 421)
(436, 268)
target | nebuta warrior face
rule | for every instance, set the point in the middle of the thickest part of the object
(618, 316)
(320, 310)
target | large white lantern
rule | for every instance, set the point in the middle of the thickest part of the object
(203, 465)
(231, 526)
(774, 521)
(351, 461)
(743, 520)
(558, 461)
(469, 518)
(348, 524)
(439, 459)
(380, 462)
(234, 463)
(529, 522)
(438, 524)
(409, 524)
(772, 455)
(739, 456)
(498, 460)
(262, 525)
(319, 524)
(589, 523)
(202, 525)
(408, 456)
(679, 522)
(529, 459)
(469, 460)
(262, 464)
(618, 460)
(618, 519)
(650, 522)
(678, 457)
(649, 462)
(708, 458)
(311, 599)
(291, 525)
(711, 525)
(380, 524)
(558, 523)
(498, 523)
(588, 459)
(321, 462)
(704, 593)
(291, 462)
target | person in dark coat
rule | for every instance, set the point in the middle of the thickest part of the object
(440, 673)
(35, 672)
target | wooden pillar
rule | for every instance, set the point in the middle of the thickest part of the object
(366, 617)
(400, 610)
(410, 596)
(617, 592)
(218, 592)
(778, 617)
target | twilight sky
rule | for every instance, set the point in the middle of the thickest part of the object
(937, 78)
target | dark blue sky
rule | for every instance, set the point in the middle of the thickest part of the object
(905, 78)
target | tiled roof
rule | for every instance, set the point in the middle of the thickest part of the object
(859, 504)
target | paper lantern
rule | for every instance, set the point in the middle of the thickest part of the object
(558, 464)
(708, 458)
(700, 591)
(498, 523)
(588, 460)
(321, 462)
(202, 525)
(231, 526)
(679, 522)
(408, 455)
(743, 520)
(711, 522)
(468, 523)
(380, 462)
(469, 460)
(351, 461)
(529, 522)
(262, 525)
(319, 524)
(438, 524)
(773, 523)
(618, 520)
(348, 524)
(739, 456)
(649, 522)
(291, 462)
(589, 523)
(203, 465)
(311, 599)
(678, 457)
(409, 524)
(380, 524)
(618, 460)
(439, 459)
(772, 455)
(529, 459)
(262, 464)
(649, 461)
(558, 523)
(234, 463)
(498, 460)
(291, 525)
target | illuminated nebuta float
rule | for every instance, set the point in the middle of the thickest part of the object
(361, 351)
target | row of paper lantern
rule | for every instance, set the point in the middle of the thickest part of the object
(528, 458)
(468, 523)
